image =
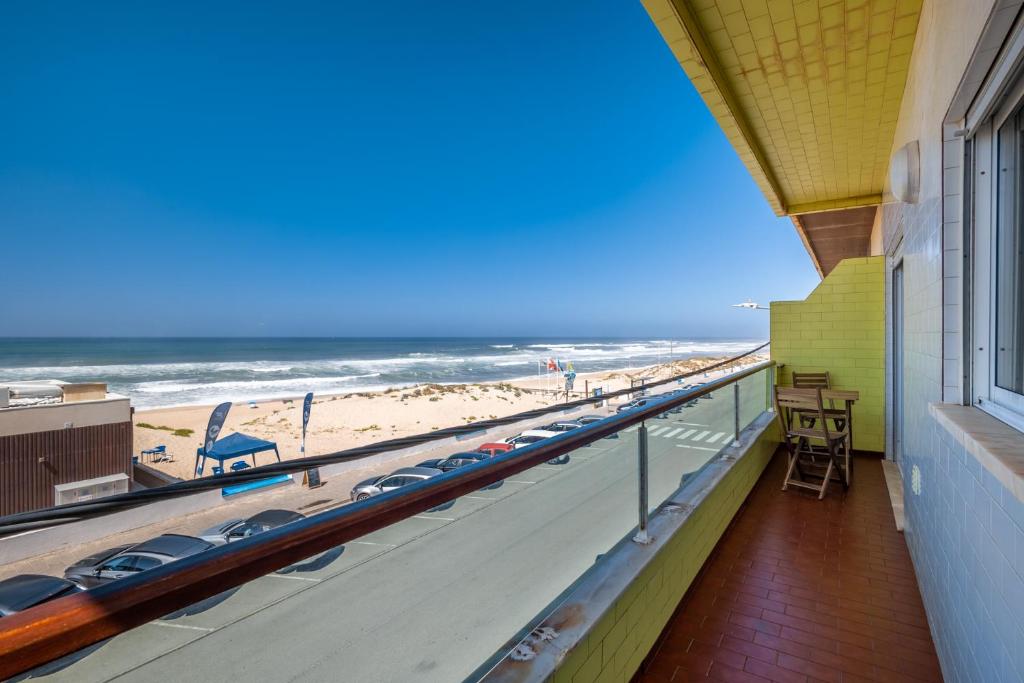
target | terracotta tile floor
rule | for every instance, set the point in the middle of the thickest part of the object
(804, 590)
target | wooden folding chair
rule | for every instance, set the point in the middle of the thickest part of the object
(793, 406)
(815, 380)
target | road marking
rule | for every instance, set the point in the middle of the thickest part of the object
(672, 432)
(716, 437)
(700, 436)
(295, 578)
(654, 431)
(631, 429)
(692, 424)
(383, 545)
(190, 627)
(697, 448)
(480, 498)
(686, 433)
(434, 519)
(519, 481)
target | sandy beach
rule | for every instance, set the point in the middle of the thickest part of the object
(347, 420)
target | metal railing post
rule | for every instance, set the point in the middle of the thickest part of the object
(736, 413)
(641, 452)
(771, 388)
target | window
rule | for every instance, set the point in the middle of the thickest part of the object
(120, 564)
(1008, 341)
(143, 563)
(996, 183)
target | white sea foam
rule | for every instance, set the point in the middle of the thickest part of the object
(203, 382)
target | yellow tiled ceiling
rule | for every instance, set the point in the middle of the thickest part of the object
(807, 91)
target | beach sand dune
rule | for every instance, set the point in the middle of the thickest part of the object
(348, 420)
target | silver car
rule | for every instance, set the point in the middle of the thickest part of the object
(237, 529)
(117, 563)
(389, 482)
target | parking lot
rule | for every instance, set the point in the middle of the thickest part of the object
(434, 596)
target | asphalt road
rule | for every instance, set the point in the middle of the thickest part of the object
(430, 598)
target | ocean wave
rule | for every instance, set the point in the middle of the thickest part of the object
(206, 381)
(248, 387)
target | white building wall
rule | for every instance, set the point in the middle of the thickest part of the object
(964, 529)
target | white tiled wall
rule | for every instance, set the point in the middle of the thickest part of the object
(964, 529)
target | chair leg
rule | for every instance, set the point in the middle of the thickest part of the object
(793, 454)
(825, 481)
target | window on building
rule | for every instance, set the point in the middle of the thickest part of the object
(997, 286)
(1008, 341)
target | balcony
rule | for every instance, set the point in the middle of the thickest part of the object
(536, 564)
(800, 589)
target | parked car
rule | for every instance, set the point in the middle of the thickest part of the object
(123, 561)
(634, 404)
(532, 436)
(493, 449)
(696, 386)
(237, 529)
(455, 461)
(20, 592)
(590, 419)
(563, 426)
(389, 482)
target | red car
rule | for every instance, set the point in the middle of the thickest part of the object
(493, 449)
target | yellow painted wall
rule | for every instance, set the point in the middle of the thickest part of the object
(840, 328)
(618, 643)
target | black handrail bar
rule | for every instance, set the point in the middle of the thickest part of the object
(64, 626)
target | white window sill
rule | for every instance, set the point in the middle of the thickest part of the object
(996, 445)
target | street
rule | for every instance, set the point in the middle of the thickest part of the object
(432, 597)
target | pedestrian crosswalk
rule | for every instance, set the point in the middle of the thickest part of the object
(694, 435)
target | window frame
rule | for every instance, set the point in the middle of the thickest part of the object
(1001, 403)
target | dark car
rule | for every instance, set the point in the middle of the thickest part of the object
(590, 419)
(237, 529)
(562, 426)
(117, 563)
(634, 404)
(389, 482)
(18, 593)
(455, 461)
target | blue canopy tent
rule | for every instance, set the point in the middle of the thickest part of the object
(231, 447)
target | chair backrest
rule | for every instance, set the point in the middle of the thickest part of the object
(811, 380)
(807, 401)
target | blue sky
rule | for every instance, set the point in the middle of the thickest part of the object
(442, 168)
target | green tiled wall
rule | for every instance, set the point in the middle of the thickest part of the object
(840, 328)
(615, 647)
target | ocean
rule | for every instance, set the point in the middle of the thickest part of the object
(157, 372)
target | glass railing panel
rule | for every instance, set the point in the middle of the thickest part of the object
(754, 397)
(429, 598)
(435, 596)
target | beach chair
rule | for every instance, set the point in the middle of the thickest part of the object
(240, 465)
(792, 406)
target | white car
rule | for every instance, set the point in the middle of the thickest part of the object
(532, 436)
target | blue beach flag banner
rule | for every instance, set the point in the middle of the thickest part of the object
(307, 404)
(217, 417)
